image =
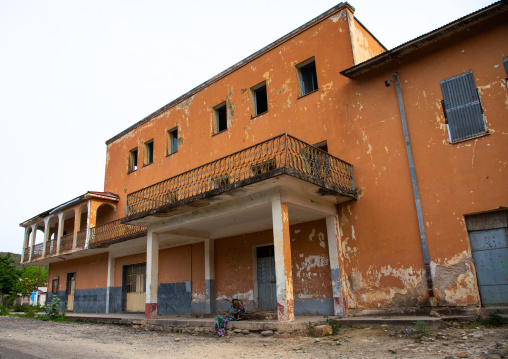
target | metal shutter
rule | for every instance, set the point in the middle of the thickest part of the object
(462, 107)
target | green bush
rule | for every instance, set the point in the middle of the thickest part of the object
(4, 310)
(494, 319)
(52, 311)
(334, 323)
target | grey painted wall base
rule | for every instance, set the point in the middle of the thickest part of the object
(90, 300)
(115, 299)
(63, 297)
(314, 306)
(174, 298)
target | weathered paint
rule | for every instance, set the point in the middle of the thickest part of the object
(282, 249)
(152, 274)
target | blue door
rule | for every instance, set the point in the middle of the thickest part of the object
(490, 255)
(267, 291)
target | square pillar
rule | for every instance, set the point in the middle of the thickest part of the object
(77, 224)
(87, 240)
(152, 274)
(111, 281)
(209, 276)
(332, 231)
(282, 249)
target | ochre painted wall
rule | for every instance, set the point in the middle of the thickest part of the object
(91, 272)
(310, 263)
(380, 240)
(309, 118)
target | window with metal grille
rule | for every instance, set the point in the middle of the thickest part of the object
(462, 108)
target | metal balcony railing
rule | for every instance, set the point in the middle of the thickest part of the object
(51, 247)
(66, 242)
(278, 152)
(81, 239)
(26, 254)
(114, 231)
(37, 251)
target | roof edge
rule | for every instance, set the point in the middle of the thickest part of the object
(241, 63)
(426, 39)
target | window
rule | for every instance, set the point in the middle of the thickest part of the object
(172, 141)
(462, 108)
(54, 286)
(220, 118)
(505, 62)
(322, 146)
(259, 99)
(133, 160)
(307, 76)
(148, 153)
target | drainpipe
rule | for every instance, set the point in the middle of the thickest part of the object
(416, 193)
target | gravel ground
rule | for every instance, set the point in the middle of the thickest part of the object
(29, 338)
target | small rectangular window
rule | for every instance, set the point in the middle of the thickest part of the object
(148, 157)
(323, 146)
(505, 62)
(54, 286)
(172, 141)
(220, 118)
(307, 76)
(462, 108)
(259, 99)
(133, 160)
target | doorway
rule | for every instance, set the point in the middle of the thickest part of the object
(267, 287)
(70, 288)
(134, 290)
(489, 246)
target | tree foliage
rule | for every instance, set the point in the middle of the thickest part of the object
(9, 274)
(31, 277)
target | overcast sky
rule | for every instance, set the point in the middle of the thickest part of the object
(75, 73)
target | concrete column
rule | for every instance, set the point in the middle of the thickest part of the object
(77, 224)
(60, 231)
(46, 236)
(282, 248)
(152, 274)
(111, 281)
(32, 241)
(88, 223)
(26, 244)
(332, 230)
(209, 276)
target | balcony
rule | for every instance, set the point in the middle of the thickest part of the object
(281, 155)
(66, 242)
(114, 232)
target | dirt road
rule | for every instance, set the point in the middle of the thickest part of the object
(28, 338)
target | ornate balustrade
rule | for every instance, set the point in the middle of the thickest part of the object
(26, 254)
(81, 239)
(37, 251)
(66, 242)
(113, 232)
(278, 152)
(51, 247)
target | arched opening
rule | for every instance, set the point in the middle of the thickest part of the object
(52, 236)
(105, 213)
(82, 226)
(39, 240)
(68, 231)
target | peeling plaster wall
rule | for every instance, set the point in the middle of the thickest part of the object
(363, 44)
(310, 118)
(379, 233)
(310, 266)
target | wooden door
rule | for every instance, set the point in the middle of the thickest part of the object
(71, 287)
(136, 290)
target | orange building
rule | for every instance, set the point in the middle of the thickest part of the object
(321, 175)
